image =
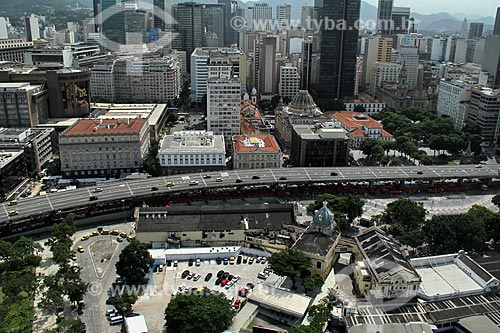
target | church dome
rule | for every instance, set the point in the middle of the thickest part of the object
(303, 104)
(323, 218)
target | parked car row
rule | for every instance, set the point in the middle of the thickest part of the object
(121, 235)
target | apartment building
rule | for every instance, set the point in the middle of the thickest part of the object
(22, 104)
(453, 100)
(484, 111)
(289, 84)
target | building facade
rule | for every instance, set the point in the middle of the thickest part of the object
(22, 105)
(453, 100)
(484, 111)
(192, 151)
(289, 85)
(14, 49)
(103, 148)
(256, 152)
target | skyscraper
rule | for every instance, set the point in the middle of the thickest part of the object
(476, 30)
(337, 49)
(283, 14)
(189, 19)
(491, 59)
(230, 10)
(262, 14)
(496, 29)
(268, 70)
(3, 28)
(162, 15)
(384, 16)
(109, 20)
(400, 20)
(32, 28)
(214, 23)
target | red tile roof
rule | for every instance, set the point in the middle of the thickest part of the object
(348, 118)
(105, 126)
(271, 146)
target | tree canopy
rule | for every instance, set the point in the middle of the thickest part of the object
(207, 312)
(290, 263)
(134, 263)
(348, 206)
(151, 163)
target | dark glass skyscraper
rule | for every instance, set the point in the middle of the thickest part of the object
(337, 49)
(496, 29)
(384, 15)
(162, 11)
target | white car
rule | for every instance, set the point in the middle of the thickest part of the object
(193, 182)
(218, 180)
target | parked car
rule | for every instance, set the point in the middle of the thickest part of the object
(218, 281)
(245, 259)
(239, 259)
(220, 273)
(208, 277)
(196, 277)
(190, 262)
(250, 261)
(226, 261)
(185, 274)
(190, 276)
(224, 282)
(231, 260)
(198, 262)
(218, 260)
(236, 304)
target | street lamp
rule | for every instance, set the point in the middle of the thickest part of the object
(124, 216)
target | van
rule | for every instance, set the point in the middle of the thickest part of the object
(116, 320)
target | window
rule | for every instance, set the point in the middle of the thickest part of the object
(318, 264)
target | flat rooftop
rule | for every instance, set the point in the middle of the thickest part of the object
(193, 142)
(281, 300)
(105, 126)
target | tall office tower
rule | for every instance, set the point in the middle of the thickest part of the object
(268, 69)
(109, 22)
(379, 49)
(408, 57)
(306, 14)
(484, 111)
(162, 12)
(400, 20)
(289, 84)
(337, 49)
(452, 101)
(32, 28)
(231, 9)
(283, 14)
(463, 29)
(3, 28)
(262, 15)
(451, 48)
(189, 30)
(465, 51)
(134, 23)
(223, 106)
(476, 30)
(306, 64)
(496, 29)
(438, 48)
(491, 59)
(213, 23)
(384, 16)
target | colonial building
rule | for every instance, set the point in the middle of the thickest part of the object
(256, 152)
(319, 242)
(382, 269)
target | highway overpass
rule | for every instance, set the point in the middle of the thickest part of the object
(115, 193)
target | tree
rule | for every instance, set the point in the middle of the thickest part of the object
(207, 312)
(151, 163)
(69, 326)
(75, 288)
(134, 263)
(349, 206)
(496, 200)
(60, 243)
(409, 214)
(123, 302)
(54, 168)
(312, 282)
(360, 108)
(290, 263)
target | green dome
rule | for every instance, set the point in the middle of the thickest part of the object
(323, 218)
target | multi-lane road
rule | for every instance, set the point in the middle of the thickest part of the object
(124, 190)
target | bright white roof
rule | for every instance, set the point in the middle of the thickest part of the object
(136, 324)
(280, 300)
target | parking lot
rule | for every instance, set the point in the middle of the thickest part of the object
(167, 282)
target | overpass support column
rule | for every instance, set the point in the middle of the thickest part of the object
(488, 181)
(402, 183)
(460, 181)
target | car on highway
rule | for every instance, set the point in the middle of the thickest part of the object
(208, 277)
(334, 174)
(282, 178)
(80, 249)
(207, 176)
(154, 188)
(239, 180)
(420, 173)
(218, 180)
(97, 190)
(12, 203)
(13, 212)
(93, 198)
(255, 177)
(169, 184)
(193, 182)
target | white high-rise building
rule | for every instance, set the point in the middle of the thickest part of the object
(383, 72)
(438, 52)
(453, 100)
(289, 81)
(484, 111)
(283, 14)
(199, 68)
(32, 28)
(262, 15)
(3, 28)
(408, 56)
(223, 106)
(379, 49)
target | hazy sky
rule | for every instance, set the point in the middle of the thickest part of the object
(481, 7)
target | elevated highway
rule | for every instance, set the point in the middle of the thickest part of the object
(116, 194)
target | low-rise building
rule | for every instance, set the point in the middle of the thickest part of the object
(188, 226)
(370, 104)
(360, 127)
(390, 275)
(103, 148)
(14, 49)
(251, 119)
(319, 242)
(12, 170)
(192, 151)
(256, 152)
(320, 145)
(38, 144)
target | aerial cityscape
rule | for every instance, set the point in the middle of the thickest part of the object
(230, 166)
